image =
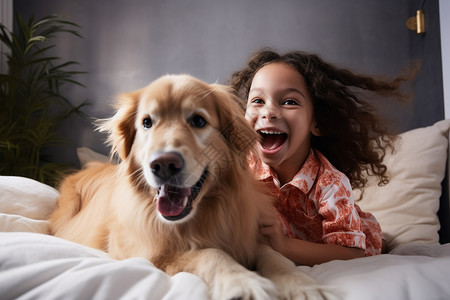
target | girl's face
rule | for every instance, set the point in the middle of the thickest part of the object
(280, 109)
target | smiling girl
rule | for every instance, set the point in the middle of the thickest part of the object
(318, 138)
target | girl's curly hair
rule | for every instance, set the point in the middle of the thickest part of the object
(353, 137)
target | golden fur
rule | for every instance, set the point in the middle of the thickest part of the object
(197, 131)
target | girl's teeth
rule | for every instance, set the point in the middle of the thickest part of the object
(271, 132)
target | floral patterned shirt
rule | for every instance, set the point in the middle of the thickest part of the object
(317, 205)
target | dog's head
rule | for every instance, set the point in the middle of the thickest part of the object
(179, 135)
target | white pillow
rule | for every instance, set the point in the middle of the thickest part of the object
(26, 197)
(86, 155)
(16, 223)
(25, 204)
(407, 207)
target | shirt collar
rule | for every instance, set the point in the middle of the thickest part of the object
(303, 180)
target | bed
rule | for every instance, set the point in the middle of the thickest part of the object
(413, 210)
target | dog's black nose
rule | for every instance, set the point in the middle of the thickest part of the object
(166, 164)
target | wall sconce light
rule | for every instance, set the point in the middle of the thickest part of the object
(417, 23)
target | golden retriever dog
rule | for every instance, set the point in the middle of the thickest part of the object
(181, 195)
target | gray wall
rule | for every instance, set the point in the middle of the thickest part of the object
(128, 43)
(429, 95)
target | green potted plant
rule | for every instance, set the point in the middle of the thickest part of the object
(32, 104)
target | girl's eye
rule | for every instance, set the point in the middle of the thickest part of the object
(198, 121)
(147, 123)
(257, 101)
(290, 102)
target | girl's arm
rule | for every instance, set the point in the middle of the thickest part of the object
(303, 252)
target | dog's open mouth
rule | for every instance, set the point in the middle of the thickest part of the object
(175, 203)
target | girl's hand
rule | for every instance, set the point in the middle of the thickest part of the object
(299, 251)
(272, 230)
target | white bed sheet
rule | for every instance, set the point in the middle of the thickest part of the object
(38, 266)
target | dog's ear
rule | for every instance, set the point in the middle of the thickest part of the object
(234, 127)
(121, 128)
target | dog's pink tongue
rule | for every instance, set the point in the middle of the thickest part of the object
(172, 200)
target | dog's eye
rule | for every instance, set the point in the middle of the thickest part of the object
(198, 121)
(147, 123)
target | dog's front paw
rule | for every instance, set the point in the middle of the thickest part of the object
(244, 286)
(299, 286)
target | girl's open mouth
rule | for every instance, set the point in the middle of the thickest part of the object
(272, 140)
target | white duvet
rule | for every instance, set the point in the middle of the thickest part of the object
(34, 265)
